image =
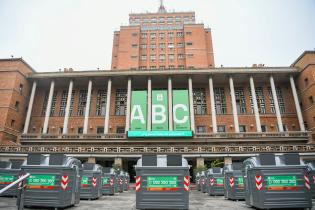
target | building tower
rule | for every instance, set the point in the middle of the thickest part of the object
(162, 40)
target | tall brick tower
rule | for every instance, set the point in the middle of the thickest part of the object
(162, 40)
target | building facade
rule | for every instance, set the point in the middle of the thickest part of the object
(178, 102)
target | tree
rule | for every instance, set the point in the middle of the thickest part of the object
(217, 163)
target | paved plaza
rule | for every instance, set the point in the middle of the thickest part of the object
(126, 200)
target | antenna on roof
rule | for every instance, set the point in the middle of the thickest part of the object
(161, 8)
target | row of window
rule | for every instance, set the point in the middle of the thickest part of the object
(162, 34)
(162, 67)
(163, 45)
(163, 57)
(99, 130)
(199, 101)
(242, 128)
(155, 20)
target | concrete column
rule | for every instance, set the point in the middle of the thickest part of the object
(128, 104)
(48, 108)
(149, 104)
(191, 105)
(91, 160)
(256, 112)
(227, 160)
(109, 91)
(235, 117)
(212, 104)
(275, 101)
(87, 109)
(170, 104)
(297, 104)
(67, 111)
(200, 161)
(30, 108)
(118, 160)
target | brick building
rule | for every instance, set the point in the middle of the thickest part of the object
(231, 113)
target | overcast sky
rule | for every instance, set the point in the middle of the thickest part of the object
(53, 34)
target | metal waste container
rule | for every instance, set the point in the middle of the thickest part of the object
(108, 181)
(91, 182)
(9, 172)
(311, 166)
(116, 183)
(54, 180)
(215, 181)
(126, 181)
(203, 180)
(162, 182)
(121, 181)
(277, 181)
(234, 182)
(198, 181)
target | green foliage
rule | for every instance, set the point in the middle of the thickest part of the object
(199, 169)
(217, 163)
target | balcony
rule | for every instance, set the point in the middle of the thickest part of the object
(292, 137)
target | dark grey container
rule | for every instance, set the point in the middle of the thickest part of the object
(311, 166)
(215, 181)
(44, 187)
(198, 181)
(234, 182)
(162, 182)
(276, 181)
(203, 182)
(126, 181)
(9, 172)
(108, 181)
(91, 183)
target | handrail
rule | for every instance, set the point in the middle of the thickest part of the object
(22, 178)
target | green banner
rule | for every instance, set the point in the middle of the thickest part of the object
(84, 180)
(164, 134)
(219, 181)
(41, 180)
(105, 180)
(159, 110)
(281, 181)
(240, 181)
(6, 178)
(181, 120)
(138, 116)
(162, 182)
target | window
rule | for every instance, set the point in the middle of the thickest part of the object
(82, 102)
(162, 45)
(63, 103)
(260, 100)
(180, 45)
(280, 100)
(161, 20)
(170, 45)
(100, 130)
(80, 130)
(179, 34)
(170, 34)
(242, 128)
(134, 45)
(181, 66)
(190, 55)
(53, 104)
(60, 130)
(21, 89)
(172, 67)
(153, 46)
(120, 129)
(221, 128)
(135, 34)
(177, 19)
(189, 43)
(152, 57)
(181, 56)
(240, 101)
(143, 67)
(201, 129)
(162, 67)
(189, 33)
(121, 102)
(199, 101)
(12, 123)
(161, 35)
(143, 46)
(133, 57)
(153, 35)
(143, 57)
(17, 105)
(311, 99)
(153, 20)
(171, 57)
(263, 128)
(143, 35)
(220, 101)
(162, 57)
(191, 67)
(152, 67)
(101, 102)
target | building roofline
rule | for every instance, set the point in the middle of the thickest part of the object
(157, 13)
(302, 55)
(19, 59)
